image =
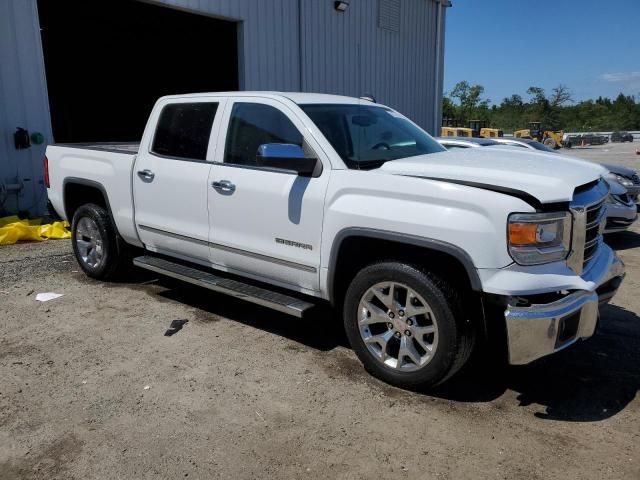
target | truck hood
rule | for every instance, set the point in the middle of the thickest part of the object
(548, 178)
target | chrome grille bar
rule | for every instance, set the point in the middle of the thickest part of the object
(587, 209)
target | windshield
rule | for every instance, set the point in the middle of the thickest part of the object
(366, 136)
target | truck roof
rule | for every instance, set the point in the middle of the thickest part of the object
(297, 97)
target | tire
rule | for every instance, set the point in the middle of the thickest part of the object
(550, 142)
(96, 245)
(450, 334)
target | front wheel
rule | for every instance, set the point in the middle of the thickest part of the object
(406, 326)
(98, 250)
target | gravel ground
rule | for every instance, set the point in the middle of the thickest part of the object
(91, 388)
(614, 153)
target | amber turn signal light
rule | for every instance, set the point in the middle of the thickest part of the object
(523, 233)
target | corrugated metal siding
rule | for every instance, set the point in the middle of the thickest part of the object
(23, 103)
(389, 14)
(350, 54)
(344, 53)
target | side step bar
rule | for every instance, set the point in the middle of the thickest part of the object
(266, 298)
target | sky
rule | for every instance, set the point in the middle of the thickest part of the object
(592, 46)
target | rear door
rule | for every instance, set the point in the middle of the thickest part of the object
(170, 177)
(267, 223)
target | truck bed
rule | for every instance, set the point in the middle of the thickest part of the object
(129, 148)
(107, 166)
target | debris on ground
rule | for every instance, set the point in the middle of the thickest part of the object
(14, 229)
(45, 297)
(175, 327)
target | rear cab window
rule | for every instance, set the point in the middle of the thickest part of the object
(183, 130)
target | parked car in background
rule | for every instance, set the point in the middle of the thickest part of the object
(454, 143)
(570, 141)
(621, 209)
(621, 137)
(594, 139)
(525, 143)
(627, 177)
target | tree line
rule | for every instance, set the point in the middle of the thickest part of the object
(555, 109)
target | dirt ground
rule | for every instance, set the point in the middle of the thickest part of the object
(91, 388)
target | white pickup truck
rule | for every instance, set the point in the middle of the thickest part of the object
(291, 199)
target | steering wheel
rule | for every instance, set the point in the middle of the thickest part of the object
(384, 145)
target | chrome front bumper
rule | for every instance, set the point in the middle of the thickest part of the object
(536, 330)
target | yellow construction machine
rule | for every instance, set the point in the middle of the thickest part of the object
(456, 132)
(480, 129)
(537, 132)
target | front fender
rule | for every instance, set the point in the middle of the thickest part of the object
(468, 220)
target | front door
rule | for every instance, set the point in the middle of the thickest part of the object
(265, 222)
(170, 178)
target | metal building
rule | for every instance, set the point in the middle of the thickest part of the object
(74, 71)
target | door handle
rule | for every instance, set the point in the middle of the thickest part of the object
(146, 175)
(223, 186)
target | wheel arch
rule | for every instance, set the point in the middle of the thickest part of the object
(345, 239)
(79, 191)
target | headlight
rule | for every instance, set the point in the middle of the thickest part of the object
(624, 181)
(536, 238)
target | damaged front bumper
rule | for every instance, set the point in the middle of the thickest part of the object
(540, 324)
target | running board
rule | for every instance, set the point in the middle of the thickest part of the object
(266, 298)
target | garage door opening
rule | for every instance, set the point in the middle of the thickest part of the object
(108, 62)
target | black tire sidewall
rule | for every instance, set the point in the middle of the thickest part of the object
(448, 329)
(100, 216)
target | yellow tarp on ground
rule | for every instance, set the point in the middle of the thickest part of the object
(12, 230)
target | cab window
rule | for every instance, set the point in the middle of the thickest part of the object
(183, 130)
(255, 124)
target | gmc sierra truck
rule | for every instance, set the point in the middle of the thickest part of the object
(287, 200)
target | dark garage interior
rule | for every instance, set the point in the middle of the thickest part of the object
(108, 62)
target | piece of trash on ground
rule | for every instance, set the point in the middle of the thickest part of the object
(175, 327)
(45, 297)
(147, 387)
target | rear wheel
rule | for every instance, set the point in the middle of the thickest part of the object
(98, 250)
(406, 326)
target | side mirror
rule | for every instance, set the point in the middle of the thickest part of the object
(287, 156)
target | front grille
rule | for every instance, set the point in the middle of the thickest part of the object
(636, 178)
(592, 234)
(588, 208)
